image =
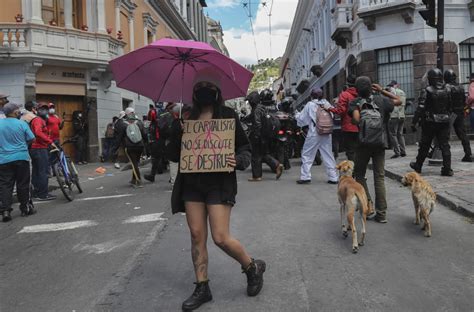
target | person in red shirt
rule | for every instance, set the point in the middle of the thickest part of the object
(349, 130)
(55, 124)
(39, 154)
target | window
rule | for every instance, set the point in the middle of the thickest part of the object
(149, 37)
(466, 55)
(396, 64)
(126, 103)
(53, 10)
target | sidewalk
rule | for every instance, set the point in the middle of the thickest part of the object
(456, 192)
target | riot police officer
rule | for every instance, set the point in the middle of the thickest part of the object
(434, 106)
(458, 100)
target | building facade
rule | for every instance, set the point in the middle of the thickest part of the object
(216, 35)
(58, 51)
(385, 40)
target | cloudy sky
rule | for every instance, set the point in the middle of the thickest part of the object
(238, 33)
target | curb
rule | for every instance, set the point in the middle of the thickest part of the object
(444, 200)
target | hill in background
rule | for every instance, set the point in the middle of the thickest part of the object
(265, 73)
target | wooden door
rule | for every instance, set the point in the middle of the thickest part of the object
(65, 106)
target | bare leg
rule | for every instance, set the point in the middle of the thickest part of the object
(196, 215)
(219, 220)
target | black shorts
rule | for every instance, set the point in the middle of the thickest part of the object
(208, 194)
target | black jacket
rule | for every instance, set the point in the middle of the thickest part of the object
(229, 180)
(258, 113)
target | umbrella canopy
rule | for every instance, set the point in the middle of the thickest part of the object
(167, 69)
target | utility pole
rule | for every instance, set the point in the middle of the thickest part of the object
(440, 33)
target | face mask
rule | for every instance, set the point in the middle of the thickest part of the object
(52, 111)
(206, 96)
(43, 113)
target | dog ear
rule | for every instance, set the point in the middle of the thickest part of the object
(338, 167)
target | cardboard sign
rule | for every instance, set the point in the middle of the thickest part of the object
(206, 144)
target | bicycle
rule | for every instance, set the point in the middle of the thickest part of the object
(66, 172)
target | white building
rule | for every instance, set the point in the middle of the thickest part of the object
(58, 51)
(384, 39)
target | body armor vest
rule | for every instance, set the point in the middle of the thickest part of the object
(437, 104)
(458, 98)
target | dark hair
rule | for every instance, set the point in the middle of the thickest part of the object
(115, 118)
(30, 105)
(363, 85)
(216, 108)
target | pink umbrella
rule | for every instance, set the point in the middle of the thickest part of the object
(166, 69)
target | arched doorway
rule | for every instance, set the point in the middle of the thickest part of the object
(351, 65)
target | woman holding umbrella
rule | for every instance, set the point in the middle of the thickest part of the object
(211, 196)
(170, 70)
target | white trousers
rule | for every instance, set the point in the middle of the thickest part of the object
(312, 144)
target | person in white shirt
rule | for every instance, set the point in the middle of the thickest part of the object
(318, 138)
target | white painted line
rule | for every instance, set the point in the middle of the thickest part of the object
(53, 227)
(145, 218)
(104, 197)
(101, 248)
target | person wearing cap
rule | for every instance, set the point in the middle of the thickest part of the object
(348, 129)
(15, 135)
(397, 122)
(315, 141)
(133, 138)
(3, 101)
(211, 196)
(40, 155)
(55, 124)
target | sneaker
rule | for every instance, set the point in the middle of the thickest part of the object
(46, 198)
(395, 156)
(30, 210)
(467, 158)
(414, 166)
(202, 294)
(254, 274)
(303, 182)
(117, 166)
(279, 171)
(380, 219)
(255, 180)
(6, 216)
(332, 182)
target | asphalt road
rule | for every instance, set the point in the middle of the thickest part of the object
(112, 263)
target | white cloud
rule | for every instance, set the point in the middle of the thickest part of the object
(240, 43)
(223, 3)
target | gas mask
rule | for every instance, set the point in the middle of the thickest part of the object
(52, 111)
(206, 96)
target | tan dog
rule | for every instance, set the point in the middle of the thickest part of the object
(423, 198)
(352, 198)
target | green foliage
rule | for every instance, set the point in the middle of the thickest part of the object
(265, 72)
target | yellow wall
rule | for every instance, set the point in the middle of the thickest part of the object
(110, 17)
(124, 29)
(8, 10)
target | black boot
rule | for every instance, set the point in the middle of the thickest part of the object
(254, 274)
(201, 295)
(467, 158)
(447, 172)
(6, 216)
(415, 166)
(149, 177)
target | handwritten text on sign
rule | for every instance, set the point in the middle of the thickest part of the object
(206, 145)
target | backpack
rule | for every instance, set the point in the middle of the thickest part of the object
(109, 131)
(324, 121)
(270, 125)
(371, 124)
(133, 132)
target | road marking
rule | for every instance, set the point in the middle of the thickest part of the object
(104, 197)
(102, 248)
(53, 227)
(145, 218)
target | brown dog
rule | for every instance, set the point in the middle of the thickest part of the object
(423, 199)
(352, 198)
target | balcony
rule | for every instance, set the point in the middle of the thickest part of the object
(48, 42)
(369, 10)
(341, 24)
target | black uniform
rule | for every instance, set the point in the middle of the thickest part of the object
(458, 101)
(434, 106)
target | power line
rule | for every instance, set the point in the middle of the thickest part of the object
(269, 14)
(247, 6)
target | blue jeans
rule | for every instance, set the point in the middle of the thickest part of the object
(39, 174)
(108, 148)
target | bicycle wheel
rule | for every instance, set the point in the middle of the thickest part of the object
(74, 175)
(64, 185)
